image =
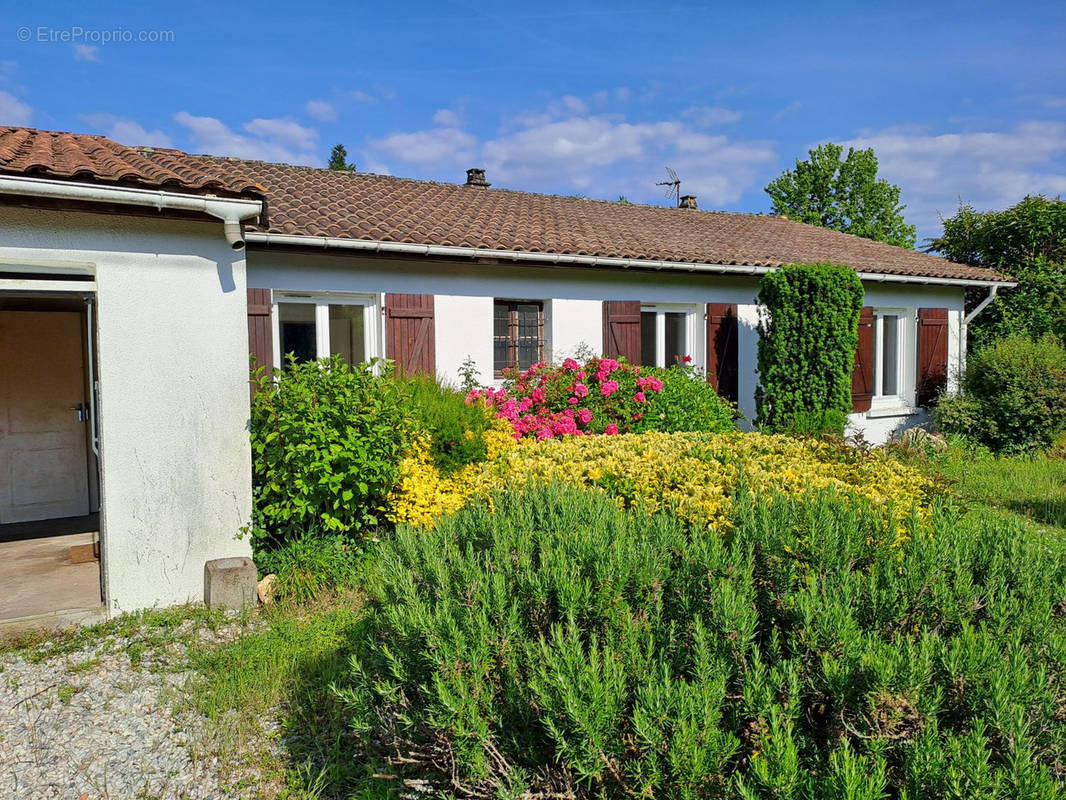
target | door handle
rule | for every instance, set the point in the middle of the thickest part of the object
(80, 408)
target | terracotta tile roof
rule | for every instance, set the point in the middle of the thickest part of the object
(318, 202)
(84, 157)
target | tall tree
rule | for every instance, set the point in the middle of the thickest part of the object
(842, 194)
(338, 159)
(1028, 242)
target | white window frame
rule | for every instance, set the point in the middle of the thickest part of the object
(694, 330)
(906, 336)
(373, 321)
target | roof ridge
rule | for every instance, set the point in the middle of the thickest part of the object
(449, 184)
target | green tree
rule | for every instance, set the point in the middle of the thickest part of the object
(1026, 241)
(338, 159)
(842, 194)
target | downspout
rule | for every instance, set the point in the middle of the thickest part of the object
(230, 211)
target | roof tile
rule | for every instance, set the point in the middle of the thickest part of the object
(319, 202)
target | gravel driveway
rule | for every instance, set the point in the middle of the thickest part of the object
(98, 723)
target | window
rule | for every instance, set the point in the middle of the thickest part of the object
(517, 335)
(666, 335)
(311, 327)
(893, 329)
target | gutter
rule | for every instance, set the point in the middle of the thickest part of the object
(230, 211)
(450, 251)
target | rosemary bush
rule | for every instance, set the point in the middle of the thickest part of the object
(552, 645)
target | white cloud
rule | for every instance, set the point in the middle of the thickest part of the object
(710, 116)
(567, 149)
(13, 111)
(284, 131)
(447, 118)
(271, 140)
(127, 131)
(988, 169)
(363, 97)
(436, 147)
(321, 110)
(86, 52)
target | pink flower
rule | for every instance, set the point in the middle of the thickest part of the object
(606, 367)
(537, 395)
(581, 375)
(525, 404)
(571, 365)
(650, 383)
(607, 388)
(638, 416)
(544, 433)
(584, 416)
(640, 398)
(581, 390)
(611, 429)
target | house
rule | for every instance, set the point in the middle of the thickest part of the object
(134, 282)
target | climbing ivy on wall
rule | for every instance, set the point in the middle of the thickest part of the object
(807, 340)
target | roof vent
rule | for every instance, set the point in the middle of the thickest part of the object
(476, 177)
(687, 201)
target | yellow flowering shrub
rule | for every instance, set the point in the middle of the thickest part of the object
(424, 494)
(692, 474)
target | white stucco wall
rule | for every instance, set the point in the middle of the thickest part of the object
(573, 326)
(173, 400)
(463, 327)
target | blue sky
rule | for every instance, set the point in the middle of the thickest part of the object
(959, 100)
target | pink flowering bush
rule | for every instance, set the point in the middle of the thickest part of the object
(603, 396)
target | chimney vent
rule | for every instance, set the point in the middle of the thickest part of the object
(476, 177)
(688, 201)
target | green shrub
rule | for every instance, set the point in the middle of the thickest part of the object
(326, 444)
(1013, 395)
(456, 428)
(558, 644)
(807, 347)
(687, 402)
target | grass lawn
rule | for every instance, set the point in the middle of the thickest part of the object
(284, 672)
(1031, 488)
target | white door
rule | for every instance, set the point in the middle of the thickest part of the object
(43, 464)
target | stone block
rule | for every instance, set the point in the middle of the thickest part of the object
(230, 583)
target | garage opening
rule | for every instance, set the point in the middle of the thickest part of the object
(49, 474)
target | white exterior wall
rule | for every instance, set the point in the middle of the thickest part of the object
(572, 326)
(573, 308)
(173, 409)
(463, 329)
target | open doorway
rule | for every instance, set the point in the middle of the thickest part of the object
(49, 477)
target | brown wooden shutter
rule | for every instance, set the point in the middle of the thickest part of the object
(621, 330)
(722, 366)
(862, 376)
(932, 354)
(260, 329)
(410, 338)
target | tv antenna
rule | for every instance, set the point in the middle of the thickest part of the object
(675, 186)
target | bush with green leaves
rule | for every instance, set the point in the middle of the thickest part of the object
(1013, 395)
(687, 402)
(327, 439)
(555, 646)
(807, 342)
(456, 428)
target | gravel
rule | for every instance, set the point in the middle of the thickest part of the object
(93, 724)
